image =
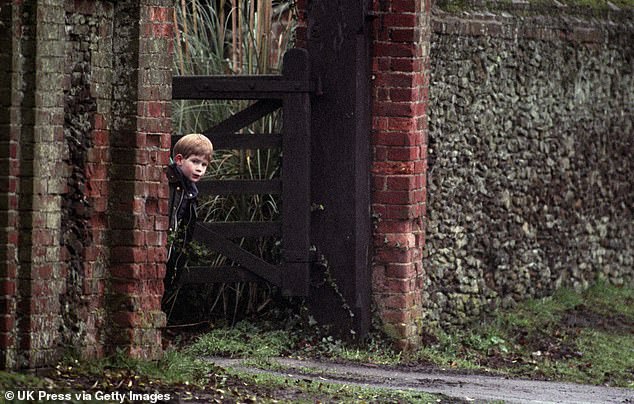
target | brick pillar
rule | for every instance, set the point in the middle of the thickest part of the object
(400, 68)
(139, 146)
(8, 187)
(36, 139)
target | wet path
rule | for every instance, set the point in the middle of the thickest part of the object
(471, 388)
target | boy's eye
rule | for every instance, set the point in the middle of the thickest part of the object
(197, 161)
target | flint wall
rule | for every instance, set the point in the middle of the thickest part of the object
(531, 138)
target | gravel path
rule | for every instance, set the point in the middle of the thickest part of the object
(471, 388)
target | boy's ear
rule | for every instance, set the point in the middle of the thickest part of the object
(178, 159)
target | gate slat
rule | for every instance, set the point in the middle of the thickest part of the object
(295, 172)
(245, 229)
(250, 141)
(292, 91)
(222, 274)
(232, 187)
(229, 249)
(236, 87)
(245, 117)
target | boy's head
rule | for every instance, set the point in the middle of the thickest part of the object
(192, 154)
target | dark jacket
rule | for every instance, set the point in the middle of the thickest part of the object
(182, 220)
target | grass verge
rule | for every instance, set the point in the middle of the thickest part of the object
(577, 337)
(583, 337)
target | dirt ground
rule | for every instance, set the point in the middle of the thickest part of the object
(454, 386)
(458, 386)
(462, 387)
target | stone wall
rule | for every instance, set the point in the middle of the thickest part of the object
(530, 158)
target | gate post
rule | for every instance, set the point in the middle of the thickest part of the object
(295, 177)
(341, 44)
(337, 39)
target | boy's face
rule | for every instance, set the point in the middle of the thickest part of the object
(193, 167)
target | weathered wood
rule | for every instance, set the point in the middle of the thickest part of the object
(229, 249)
(232, 187)
(292, 91)
(245, 117)
(245, 229)
(295, 175)
(222, 274)
(338, 45)
(236, 87)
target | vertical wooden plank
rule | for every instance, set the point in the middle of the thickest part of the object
(296, 178)
(338, 44)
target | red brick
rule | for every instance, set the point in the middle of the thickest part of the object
(402, 211)
(400, 286)
(397, 197)
(397, 138)
(156, 238)
(405, 6)
(404, 182)
(123, 287)
(393, 167)
(128, 254)
(99, 122)
(164, 14)
(127, 271)
(403, 153)
(7, 323)
(7, 288)
(127, 319)
(394, 108)
(157, 254)
(399, 301)
(397, 316)
(401, 20)
(403, 94)
(161, 223)
(378, 182)
(6, 341)
(163, 30)
(401, 271)
(394, 79)
(406, 35)
(392, 255)
(402, 124)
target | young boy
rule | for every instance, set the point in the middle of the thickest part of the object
(191, 157)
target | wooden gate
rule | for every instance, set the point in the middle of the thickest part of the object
(291, 92)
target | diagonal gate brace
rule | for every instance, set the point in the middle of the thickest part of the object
(226, 247)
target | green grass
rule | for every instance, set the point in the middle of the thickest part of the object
(578, 337)
(583, 338)
(10, 380)
(304, 390)
(245, 340)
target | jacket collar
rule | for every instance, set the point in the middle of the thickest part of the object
(175, 176)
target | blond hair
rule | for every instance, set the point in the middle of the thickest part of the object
(194, 144)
